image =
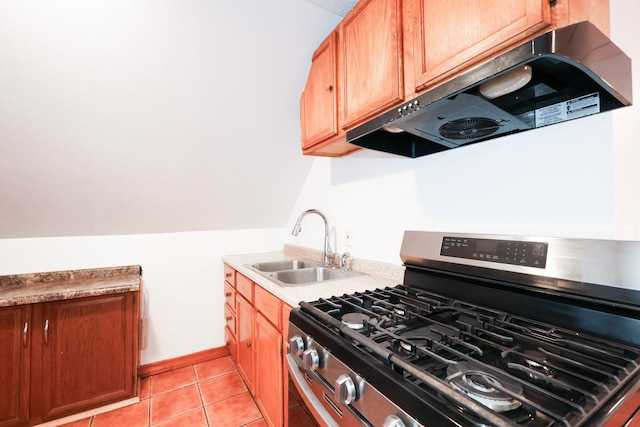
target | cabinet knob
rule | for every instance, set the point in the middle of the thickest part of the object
(329, 87)
(248, 344)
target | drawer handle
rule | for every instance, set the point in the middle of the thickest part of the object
(227, 294)
(228, 274)
(228, 318)
(24, 334)
(46, 331)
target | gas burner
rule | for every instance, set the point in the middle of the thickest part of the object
(536, 360)
(407, 347)
(400, 309)
(481, 386)
(354, 320)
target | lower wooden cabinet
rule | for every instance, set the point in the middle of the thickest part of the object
(269, 388)
(259, 346)
(64, 357)
(246, 318)
(15, 347)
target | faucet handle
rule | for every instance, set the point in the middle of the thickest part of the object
(343, 261)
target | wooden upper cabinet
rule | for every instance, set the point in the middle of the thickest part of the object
(319, 101)
(387, 51)
(456, 33)
(371, 59)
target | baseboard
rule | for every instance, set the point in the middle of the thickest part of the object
(162, 366)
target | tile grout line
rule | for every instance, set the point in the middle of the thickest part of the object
(206, 418)
(197, 382)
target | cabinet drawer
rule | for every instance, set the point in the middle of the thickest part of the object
(230, 319)
(230, 275)
(269, 305)
(230, 296)
(244, 286)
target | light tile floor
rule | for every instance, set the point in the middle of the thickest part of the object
(209, 394)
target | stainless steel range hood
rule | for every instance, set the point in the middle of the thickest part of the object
(568, 73)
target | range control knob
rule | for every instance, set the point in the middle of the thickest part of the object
(310, 359)
(296, 345)
(345, 389)
(393, 421)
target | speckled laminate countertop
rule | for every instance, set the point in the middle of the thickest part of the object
(377, 275)
(32, 288)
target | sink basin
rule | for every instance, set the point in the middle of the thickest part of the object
(293, 272)
(285, 264)
(311, 275)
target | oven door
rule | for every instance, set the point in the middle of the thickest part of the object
(308, 404)
(318, 400)
(300, 412)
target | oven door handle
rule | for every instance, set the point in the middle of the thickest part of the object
(307, 395)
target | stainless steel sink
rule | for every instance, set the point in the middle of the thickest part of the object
(285, 264)
(312, 275)
(294, 272)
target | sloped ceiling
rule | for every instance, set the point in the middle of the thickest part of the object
(339, 7)
(126, 117)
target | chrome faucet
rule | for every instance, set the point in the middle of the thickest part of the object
(328, 253)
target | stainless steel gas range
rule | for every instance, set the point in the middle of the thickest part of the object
(484, 331)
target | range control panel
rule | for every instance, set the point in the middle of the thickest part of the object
(530, 254)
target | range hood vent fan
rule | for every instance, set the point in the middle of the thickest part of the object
(471, 127)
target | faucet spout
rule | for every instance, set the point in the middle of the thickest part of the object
(328, 253)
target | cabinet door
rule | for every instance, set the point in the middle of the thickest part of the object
(85, 353)
(15, 337)
(319, 101)
(269, 389)
(371, 57)
(456, 32)
(245, 319)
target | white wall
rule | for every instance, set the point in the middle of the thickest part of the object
(146, 116)
(576, 179)
(182, 272)
(625, 16)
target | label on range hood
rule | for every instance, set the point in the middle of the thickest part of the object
(568, 110)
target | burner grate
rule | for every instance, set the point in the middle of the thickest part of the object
(562, 376)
